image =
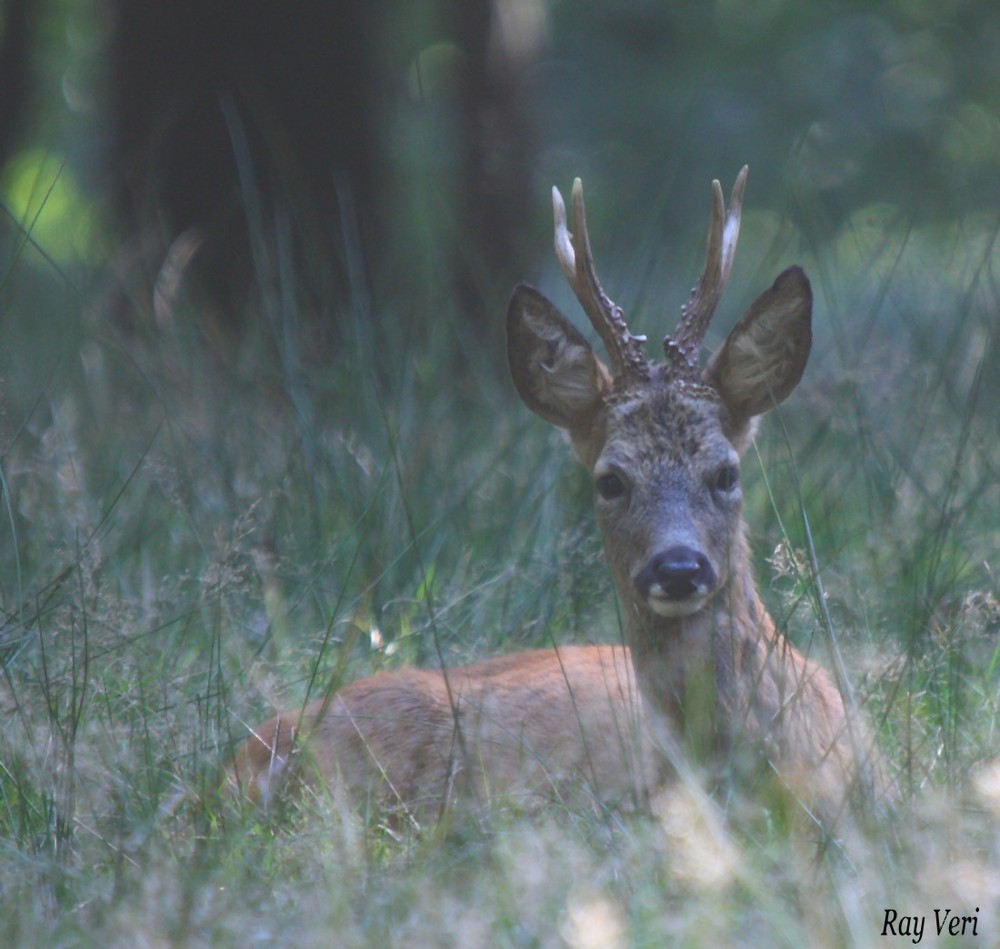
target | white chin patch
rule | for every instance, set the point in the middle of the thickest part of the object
(661, 606)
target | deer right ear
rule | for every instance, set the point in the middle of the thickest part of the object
(554, 369)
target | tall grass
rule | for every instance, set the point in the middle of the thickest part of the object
(196, 532)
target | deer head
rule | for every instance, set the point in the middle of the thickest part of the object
(662, 440)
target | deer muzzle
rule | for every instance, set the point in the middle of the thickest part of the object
(676, 581)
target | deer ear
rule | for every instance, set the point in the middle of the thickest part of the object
(554, 369)
(763, 358)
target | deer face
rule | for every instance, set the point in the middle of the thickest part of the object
(668, 500)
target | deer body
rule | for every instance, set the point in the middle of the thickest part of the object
(540, 725)
(663, 444)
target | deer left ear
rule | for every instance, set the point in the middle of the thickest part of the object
(763, 358)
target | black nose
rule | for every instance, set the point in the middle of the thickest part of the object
(678, 572)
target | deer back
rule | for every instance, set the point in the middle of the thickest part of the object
(535, 726)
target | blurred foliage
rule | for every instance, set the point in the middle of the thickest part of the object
(42, 193)
(836, 105)
(853, 101)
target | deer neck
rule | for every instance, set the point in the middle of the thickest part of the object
(689, 668)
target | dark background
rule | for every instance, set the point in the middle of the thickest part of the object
(416, 136)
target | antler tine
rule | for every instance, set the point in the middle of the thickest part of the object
(628, 364)
(723, 234)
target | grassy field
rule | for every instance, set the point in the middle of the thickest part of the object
(198, 529)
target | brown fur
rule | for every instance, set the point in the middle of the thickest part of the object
(534, 725)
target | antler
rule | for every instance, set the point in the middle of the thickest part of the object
(684, 347)
(628, 364)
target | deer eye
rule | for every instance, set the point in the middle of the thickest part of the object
(726, 479)
(610, 486)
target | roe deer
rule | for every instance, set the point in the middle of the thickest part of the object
(663, 444)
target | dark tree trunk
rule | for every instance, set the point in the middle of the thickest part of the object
(229, 112)
(498, 149)
(13, 72)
